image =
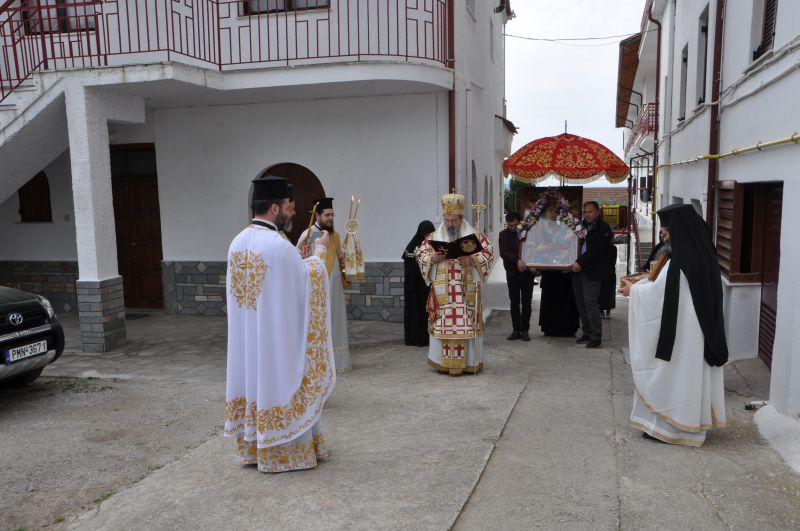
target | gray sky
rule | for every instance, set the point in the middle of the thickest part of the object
(547, 83)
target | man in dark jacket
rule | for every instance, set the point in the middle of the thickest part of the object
(589, 270)
(519, 278)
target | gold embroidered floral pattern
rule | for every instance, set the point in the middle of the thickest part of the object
(243, 416)
(568, 156)
(247, 271)
(296, 455)
(284, 457)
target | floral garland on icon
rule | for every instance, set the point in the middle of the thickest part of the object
(564, 216)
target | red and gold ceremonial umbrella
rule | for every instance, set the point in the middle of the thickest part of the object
(570, 158)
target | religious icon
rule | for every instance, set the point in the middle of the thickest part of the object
(550, 244)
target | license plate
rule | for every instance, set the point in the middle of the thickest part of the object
(26, 351)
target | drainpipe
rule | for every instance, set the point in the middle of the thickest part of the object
(713, 137)
(451, 97)
(658, 110)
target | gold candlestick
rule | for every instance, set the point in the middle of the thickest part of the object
(308, 232)
(479, 208)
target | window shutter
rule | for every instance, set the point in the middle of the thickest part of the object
(729, 227)
(770, 17)
(768, 29)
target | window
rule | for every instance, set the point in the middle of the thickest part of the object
(491, 40)
(702, 56)
(770, 14)
(34, 201)
(682, 93)
(474, 188)
(491, 204)
(747, 217)
(487, 215)
(58, 16)
(257, 7)
(646, 189)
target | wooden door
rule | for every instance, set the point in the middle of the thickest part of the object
(138, 222)
(307, 188)
(771, 197)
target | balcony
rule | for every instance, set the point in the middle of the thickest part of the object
(223, 35)
(644, 125)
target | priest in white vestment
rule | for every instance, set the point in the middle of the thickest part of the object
(281, 368)
(335, 265)
(454, 305)
(676, 336)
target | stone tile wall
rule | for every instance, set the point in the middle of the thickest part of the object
(380, 296)
(198, 288)
(53, 280)
(101, 310)
(194, 288)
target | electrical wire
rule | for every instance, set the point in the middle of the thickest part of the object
(563, 40)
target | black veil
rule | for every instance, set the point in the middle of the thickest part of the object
(692, 253)
(425, 228)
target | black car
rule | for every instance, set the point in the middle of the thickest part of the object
(30, 336)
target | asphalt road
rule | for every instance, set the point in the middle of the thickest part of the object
(67, 444)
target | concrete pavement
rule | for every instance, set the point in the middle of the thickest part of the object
(539, 439)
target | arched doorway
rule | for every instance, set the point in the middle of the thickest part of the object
(307, 188)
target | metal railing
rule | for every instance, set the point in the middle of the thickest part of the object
(644, 125)
(219, 34)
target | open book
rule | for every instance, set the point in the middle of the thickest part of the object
(466, 246)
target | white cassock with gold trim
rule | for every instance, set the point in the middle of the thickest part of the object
(679, 400)
(338, 304)
(281, 368)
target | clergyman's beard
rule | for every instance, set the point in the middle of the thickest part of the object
(287, 226)
(281, 220)
(328, 228)
(452, 233)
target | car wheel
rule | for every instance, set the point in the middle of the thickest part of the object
(26, 378)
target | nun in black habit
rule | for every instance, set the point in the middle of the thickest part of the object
(677, 337)
(416, 291)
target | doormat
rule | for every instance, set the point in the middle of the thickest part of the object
(132, 316)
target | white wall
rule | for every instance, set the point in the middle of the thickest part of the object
(770, 115)
(480, 95)
(760, 105)
(389, 151)
(42, 241)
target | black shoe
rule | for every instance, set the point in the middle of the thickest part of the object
(583, 339)
(651, 438)
(594, 343)
(524, 336)
(514, 335)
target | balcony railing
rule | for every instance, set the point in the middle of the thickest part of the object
(644, 125)
(219, 34)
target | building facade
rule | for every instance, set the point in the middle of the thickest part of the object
(130, 132)
(707, 94)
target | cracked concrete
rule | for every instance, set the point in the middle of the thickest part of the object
(540, 439)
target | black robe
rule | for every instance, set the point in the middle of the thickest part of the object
(558, 313)
(415, 316)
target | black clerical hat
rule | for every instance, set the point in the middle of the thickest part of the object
(269, 187)
(324, 203)
(666, 213)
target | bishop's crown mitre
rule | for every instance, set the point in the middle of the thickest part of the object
(453, 204)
